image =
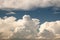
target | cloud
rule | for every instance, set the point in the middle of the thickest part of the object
(22, 28)
(27, 28)
(28, 4)
(10, 13)
(7, 26)
(50, 29)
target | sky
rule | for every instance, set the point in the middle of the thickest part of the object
(27, 19)
(44, 14)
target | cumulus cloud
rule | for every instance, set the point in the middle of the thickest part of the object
(50, 30)
(7, 26)
(22, 28)
(28, 4)
(27, 28)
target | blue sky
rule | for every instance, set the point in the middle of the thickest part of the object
(43, 14)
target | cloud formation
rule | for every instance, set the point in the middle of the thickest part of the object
(28, 4)
(23, 28)
(7, 26)
(50, 29)
(27, 28)
(10, 13)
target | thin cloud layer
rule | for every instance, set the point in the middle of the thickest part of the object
(10, 13)
(28, 4)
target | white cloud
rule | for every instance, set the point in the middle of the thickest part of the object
(28, 4)
(7, 26)
(22, 28)
(50, 29)
(10, 13)
(27, 28)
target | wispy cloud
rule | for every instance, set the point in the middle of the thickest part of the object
(10, 13)
(56, 10)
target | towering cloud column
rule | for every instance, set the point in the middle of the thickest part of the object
(28, 28)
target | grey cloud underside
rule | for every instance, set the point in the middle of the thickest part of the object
(28, 4)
